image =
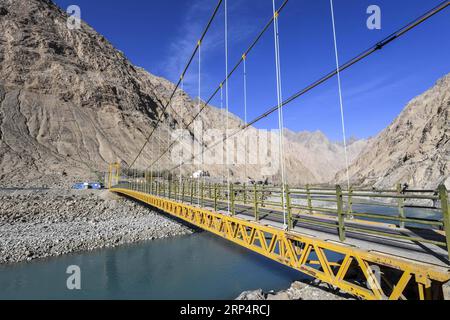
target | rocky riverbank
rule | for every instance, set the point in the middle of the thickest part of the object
(41, 223)
(297, 291)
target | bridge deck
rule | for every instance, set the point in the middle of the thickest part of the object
(421, 252)
(408, 270)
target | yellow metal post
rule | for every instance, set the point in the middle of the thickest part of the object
(215, 197)
(255, 202)
(233, 211)
(289, 208)
(308, 197)
(340, 212)
(401, 205)
(443, 196)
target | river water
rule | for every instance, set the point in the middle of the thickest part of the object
(197, 266)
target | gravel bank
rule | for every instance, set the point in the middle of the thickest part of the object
(41, 223)
(297, 291)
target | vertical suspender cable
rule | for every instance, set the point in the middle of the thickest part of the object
(221, 109)
(168, 153)
(280, 109)
(151, 169)
(245, 90)
(244, 57)
(338, 73)
(158, 137)
(226, 103)
(159, 119)
(181, 135)
(206, 103)
(199, 170)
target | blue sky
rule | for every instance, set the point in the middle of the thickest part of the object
(160, 36)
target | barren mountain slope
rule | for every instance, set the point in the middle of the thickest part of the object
(414, 149)
(323, 157)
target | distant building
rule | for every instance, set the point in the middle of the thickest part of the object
(199, 174)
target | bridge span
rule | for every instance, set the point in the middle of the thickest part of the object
(398, 252)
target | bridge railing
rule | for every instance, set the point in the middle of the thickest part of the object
(399, 213)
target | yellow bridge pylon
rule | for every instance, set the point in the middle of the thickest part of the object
(113, 175)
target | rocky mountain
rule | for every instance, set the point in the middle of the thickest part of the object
(414, 149)
(70, 104)
(321, 156)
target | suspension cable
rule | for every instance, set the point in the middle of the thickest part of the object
(338, 73)
(226, 104)
(221, 109)
(375, 48)
(246, 53)
(245, 116)
(205, 31)
(378, 46)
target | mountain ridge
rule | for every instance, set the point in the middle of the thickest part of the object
(414, 149)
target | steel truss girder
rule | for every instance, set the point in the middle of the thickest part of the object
(302, 253)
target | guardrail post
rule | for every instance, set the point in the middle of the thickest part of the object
(170, 189)
(308, 197)
(256, 202)
(197, 191)
(151, 182)
(233, 211)
(182, 191)
(262, 195)
(175, 191)
(245, 194)
(443, 196)
(350, 203)
(202, 190)
(215, 197)
(209, 191)
(341, 221)
(192, 192)
(401, 205)
(145, 182)
(288, 207)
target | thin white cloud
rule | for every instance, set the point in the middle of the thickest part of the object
(189, 31)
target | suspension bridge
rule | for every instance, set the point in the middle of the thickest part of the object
(371, 243)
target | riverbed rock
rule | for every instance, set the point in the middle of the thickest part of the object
(52, 222)
(297, 291)
(252, 295)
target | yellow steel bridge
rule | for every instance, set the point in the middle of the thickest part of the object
(369, 255)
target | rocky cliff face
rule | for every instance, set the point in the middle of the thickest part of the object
(70, 103)
(414, 149)
(321, 156)
(69, 100)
